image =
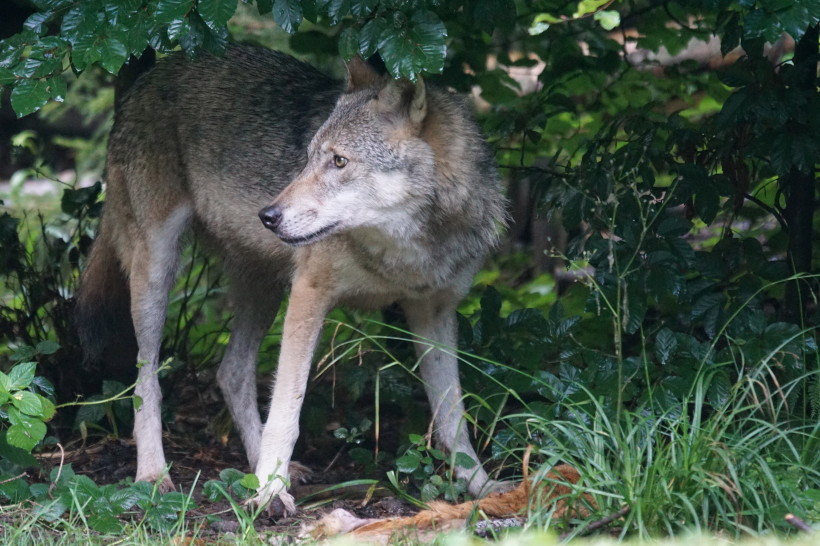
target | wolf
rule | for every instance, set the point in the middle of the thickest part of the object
(370, 192)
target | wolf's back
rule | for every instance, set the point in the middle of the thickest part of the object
(224, 133)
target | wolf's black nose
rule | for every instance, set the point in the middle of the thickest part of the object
(271, 216)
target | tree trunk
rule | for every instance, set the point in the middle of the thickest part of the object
(800, 191)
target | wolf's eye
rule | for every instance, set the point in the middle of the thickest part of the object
(339, 161)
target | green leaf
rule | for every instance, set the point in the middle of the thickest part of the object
(15, 455)
(113, 52)
(609, 19)
(168, 10)
(36, 21)
(429, 492)
(665, 345)
(288, 14)
(370, 36)
(178, 27)
(397, 51)
(707, 202)
(428, 34)
(48, 347)
(28, 96)
(26, 431)
(338, 10)
(250, 481)
(216, 13)
(48, 409)
(137, 402)
(27, 402)
(21, 375)
(363, 8)
(588, 6)
(124, 499)
(464, 461)
(105, 524)
(719, 390)
(349, 43)
(7, 76)
(408, 463)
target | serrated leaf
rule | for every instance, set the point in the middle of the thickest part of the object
(338, 10)
(28, 96)
(168, 10)
(124, 499)
(36, 21)
(21, 375)
(719, 390)
(428, 34)
(397, 50)
(370, 36)
(216, 13)
(113, 51)
(288, 14)
(57, 89)
(178, 27)
(16, 455)
(363, 8)
(48, 409)
(349, 43)
(665, 345)
(105, 524)
(27, 402)
(26, 431)
(7, 76)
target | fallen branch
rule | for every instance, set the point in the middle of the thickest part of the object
(23, 475)
(59, 471)
(595, 525)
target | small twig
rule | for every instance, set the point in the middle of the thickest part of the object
(333, 461)
(59, 470)
(799, 524)
(595, 525)
(24, 475)
(526, 470)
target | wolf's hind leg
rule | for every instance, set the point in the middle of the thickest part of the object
(435, 320)
(256, 306)
(154, 263)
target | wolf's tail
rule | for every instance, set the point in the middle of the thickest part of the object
(102, 317)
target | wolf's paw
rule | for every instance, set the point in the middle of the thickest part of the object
(299, 473)
(277, 505)
(163, 481)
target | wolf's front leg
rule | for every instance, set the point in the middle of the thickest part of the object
(308, 305)
(434, 320)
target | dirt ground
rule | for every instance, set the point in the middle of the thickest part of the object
(110, 461)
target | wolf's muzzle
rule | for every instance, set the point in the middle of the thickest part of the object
(271, 216)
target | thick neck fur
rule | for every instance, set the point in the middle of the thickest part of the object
(456, 225)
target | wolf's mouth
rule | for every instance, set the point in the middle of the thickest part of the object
(307, 239)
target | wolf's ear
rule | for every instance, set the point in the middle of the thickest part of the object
(403, 100)
(360, 75)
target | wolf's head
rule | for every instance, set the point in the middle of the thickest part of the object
(367, 165)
